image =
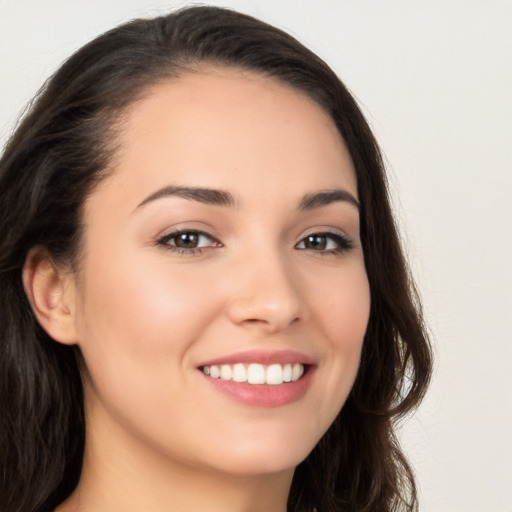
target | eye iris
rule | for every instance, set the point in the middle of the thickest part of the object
(317, 242)
(187, 240)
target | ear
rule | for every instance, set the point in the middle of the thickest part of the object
(52, 295)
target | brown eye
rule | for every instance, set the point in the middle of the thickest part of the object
(187, 241)
(315, 242)
(325, 242)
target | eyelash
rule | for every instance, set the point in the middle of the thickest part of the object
(164, 241)
(343, 244)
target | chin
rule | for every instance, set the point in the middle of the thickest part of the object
(264, 454)
(262, 463)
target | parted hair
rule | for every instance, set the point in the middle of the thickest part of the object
(60, 151)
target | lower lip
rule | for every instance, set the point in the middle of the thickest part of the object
(263, 395)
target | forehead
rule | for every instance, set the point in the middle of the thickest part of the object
(227, 128)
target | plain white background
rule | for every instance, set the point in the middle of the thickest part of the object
(435, 80)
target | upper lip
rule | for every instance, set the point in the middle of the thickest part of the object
(264, 357)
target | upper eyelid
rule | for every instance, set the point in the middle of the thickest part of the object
(175, 231)
(326, 231)
(172, 234)
(327, 234)
(345, 241)
(164, 241)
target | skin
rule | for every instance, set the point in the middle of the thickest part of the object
(145, 315)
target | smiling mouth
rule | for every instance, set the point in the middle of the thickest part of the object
(266, 379)
(257, 374)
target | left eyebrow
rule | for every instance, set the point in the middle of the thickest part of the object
(199, 194)
(324, 198)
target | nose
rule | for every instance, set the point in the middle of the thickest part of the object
(266, 296)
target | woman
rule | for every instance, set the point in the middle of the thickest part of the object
(204, 301)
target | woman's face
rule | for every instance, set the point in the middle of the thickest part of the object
(225, 241)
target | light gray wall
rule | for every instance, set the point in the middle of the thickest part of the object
(435, 79)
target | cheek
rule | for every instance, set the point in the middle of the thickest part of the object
(343, 313)
(138, 321)
(349, 314)
(137, 324)
(144, 304)
(341, 302)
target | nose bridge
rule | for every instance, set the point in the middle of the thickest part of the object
(267, 293)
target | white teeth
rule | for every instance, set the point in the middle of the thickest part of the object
(275, 374)
(254, 373)
(297, 371)
(287, 373)
(214, 371)
(239, 373)
(225, 372)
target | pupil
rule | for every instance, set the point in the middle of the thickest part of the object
(187, 240)
(316, 242)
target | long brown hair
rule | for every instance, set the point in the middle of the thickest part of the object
(57, 155)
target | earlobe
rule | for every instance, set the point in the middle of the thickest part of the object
(51, 295)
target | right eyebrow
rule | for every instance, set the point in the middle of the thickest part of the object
(203, 195)
(327, 197)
